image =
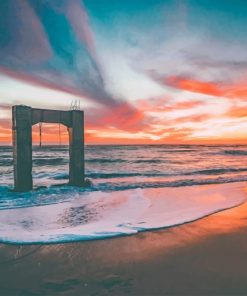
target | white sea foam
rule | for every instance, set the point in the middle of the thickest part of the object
(95, 215)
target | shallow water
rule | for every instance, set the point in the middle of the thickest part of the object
(119, 196)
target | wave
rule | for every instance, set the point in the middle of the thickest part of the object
(119, 160)
(61, 176)
(236, 152)
(50, 161)
(216, 171)
(98, 175)
(43, 161)
(51, 194)
(120, 186)
(105, 160)
(99, 215)
(155, 160)
(6, 161)
(178, 150)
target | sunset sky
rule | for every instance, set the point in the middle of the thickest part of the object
(145, 71)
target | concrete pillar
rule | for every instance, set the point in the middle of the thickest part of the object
(22, 147)
(76, 149)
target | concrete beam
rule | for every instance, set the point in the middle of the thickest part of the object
(51, 116)
(76, 149)
(22, 147)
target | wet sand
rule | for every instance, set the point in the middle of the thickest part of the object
(205, 257)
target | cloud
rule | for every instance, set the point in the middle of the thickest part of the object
(192, 85)
(237, 90)
(79, 20)
(237, 110)
(123, 116)
(38, 52)
(24, 40)
(161, 104)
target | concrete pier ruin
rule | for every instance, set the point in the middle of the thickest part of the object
(23, 118)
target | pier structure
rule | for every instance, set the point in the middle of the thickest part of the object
(23, 118)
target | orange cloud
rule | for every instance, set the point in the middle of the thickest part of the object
(193, 85)
(238, 90)
(122, 116)
(165, 105)
(237, 111)
(234, 90)
(192, 118)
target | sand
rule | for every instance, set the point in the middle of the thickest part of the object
(205, 257)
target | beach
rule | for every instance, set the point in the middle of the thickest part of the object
(123, 148)
(204, 257)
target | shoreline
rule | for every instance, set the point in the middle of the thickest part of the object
(121, 235)
(126, 213)
(204, 257)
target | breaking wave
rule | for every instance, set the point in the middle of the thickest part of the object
(236, 152)
(98, 215)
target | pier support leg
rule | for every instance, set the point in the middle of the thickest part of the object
(22, 148)
(76, 149)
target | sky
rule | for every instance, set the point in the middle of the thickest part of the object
(144, 71)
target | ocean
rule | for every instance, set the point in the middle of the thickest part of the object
(122, 176)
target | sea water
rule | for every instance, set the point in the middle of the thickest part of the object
(134, 188)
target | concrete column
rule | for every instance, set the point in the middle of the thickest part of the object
(76, 149)
(22, 147)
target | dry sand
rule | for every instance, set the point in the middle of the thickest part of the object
(205, 257)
